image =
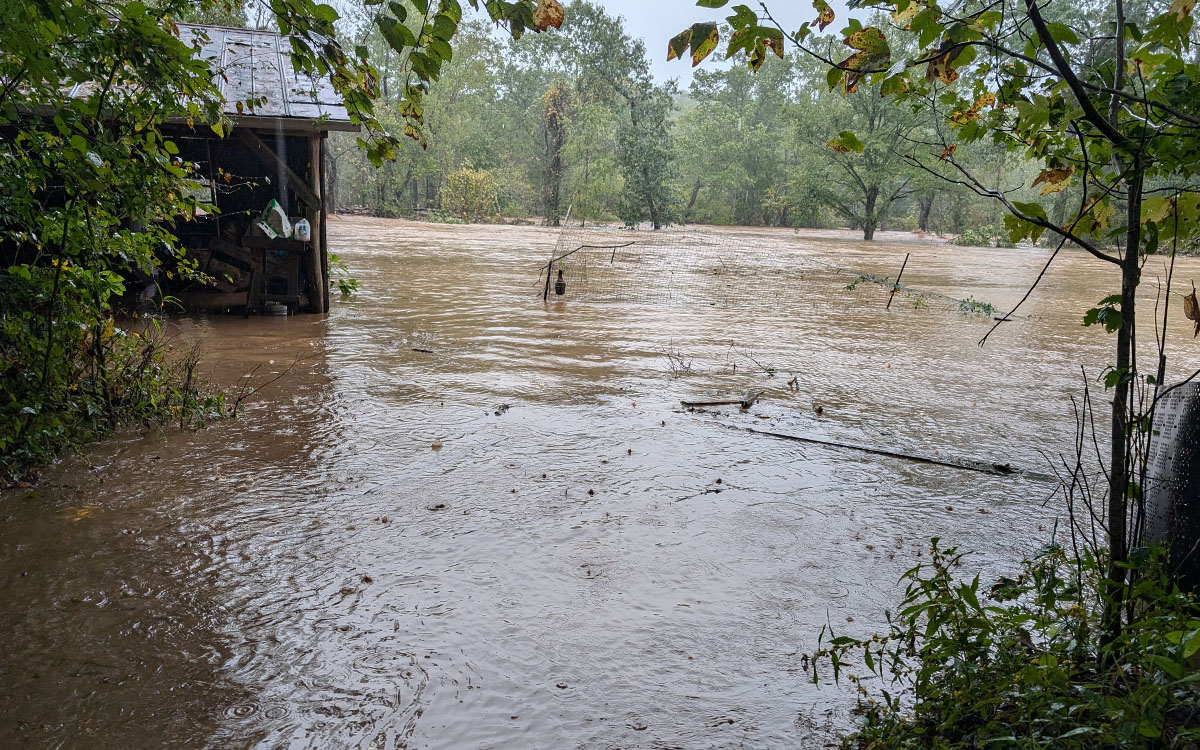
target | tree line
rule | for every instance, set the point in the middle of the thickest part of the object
(534, 127)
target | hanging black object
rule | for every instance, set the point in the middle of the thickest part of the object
(560, 284)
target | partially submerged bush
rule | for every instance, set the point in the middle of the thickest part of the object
(988, 235)
(471, 194)
(1022, 665)
(71, 372)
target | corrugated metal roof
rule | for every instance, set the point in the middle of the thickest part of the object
(253, 64)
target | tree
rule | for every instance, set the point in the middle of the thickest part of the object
(865, 172)
(1105, 99)
(593, 178)
(87, 194)
(645, 157)
(556, 107)
(612, 65)
(734, 144)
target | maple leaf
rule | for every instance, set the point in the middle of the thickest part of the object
(873, 54)
(939, 68)
(1181, 9)
(824, 15)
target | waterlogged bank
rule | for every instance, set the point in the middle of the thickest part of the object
(566, 571)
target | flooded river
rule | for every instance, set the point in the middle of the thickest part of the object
(581, 562)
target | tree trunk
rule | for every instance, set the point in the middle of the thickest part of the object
(556, 102)
(925, 203)
(1119, 469)
(687, 213)
(655, 219)
(869, 219)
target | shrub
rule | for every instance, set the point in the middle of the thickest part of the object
(471, 194)
(988, 235)
(88, 373)
(1021, 664)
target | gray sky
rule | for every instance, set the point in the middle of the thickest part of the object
(656, 21)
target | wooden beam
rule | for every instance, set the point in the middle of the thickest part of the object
(316, 256)
(298, 184)
(323, 190)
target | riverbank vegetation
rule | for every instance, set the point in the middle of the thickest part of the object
(85, 184)
(1021, 663)
(91, 191)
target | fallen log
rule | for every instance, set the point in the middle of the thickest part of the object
(967, 464)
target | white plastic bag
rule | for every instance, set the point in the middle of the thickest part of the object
(275, 217)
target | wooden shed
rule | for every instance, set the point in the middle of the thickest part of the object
(276, 151)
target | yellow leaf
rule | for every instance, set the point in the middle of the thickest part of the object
(824, 14)
(873, 55)
(903, 18)
(78, 514)
(1053, 180)
(1191, 310)
(704, 48)
(1181, 9)
(1156, 208)
(939, 68)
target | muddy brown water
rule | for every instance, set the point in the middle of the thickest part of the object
(563, 572)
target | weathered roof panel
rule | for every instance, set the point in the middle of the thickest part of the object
(253, 64)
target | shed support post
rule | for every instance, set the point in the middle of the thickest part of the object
(324, 192)
(316, 254)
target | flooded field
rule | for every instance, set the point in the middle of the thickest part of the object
(517, 537)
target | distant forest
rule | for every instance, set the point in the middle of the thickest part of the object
(573, 123)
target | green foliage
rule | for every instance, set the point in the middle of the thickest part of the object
(98, 375)
(1088, 120)
(1022, 664)
(91, 192)
(972, 306)
(1108, 314)
(989, 235)
(88, 194)
(423, 35)
(438, 217)
(339, 276)
(566, 120)
(470, 194)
